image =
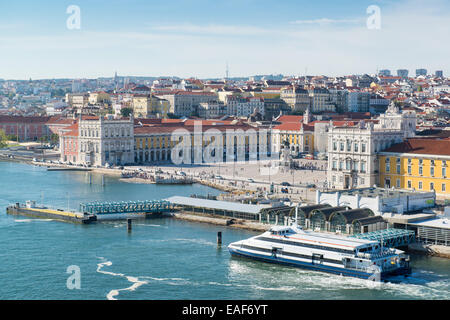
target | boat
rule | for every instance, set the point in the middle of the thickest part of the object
(293, 246)
(30, 209)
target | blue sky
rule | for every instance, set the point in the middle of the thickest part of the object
(197, 38)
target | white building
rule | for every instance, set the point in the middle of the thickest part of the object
(244, 107)
(103, 141)
(352, 151)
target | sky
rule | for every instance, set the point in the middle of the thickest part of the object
(188, 38)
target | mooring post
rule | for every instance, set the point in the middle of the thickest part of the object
(103, 180)
(219, 238)
(129, 225)
(90, 178)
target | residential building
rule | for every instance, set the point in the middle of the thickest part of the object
(146, 106)
(244, 107)
(185, 103)
(211, 110)
(403, 73)
(321, 100)
(421, 72)
(296, 97)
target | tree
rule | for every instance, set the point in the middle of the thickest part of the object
(125, 112)
(3, 139)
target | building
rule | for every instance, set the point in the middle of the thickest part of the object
(98, 98)
(340, 99)
(352, 150)
(417, 164)
(185, 103)
(211, 110)
(321, 100)
(403, 73)
(147, 106)
(25, 128)
(77, 101)
(421, 72)
(295, 133)
(358, 101)
(379, 200)
(274, 107)
(200, 141)
(439, 74)
(244, 107)
(296, 97)
(104, 141)
(385, 73)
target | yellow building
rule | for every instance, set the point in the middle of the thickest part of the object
(417, 164)
(144, 106)
(298, 135)
(155, 142)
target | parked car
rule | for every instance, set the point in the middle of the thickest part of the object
(286, 184)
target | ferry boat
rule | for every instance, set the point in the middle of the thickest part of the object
(291, 245)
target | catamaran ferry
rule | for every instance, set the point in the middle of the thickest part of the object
(291, 245)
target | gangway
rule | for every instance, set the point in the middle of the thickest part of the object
(390, 238)
(147, 206)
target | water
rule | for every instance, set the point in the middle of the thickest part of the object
(161, 258)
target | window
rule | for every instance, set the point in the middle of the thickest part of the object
(444, 172)
(409, 169)
(388, 165)
(443, 187)
(432, 171)
(361, 180)
(363, 167)
(341, 165)
(432, 162)
(334, 165)
(356, 147)
(341, 146)
(398, 168)
(421, 170)
(420, 185)
(431, 186)
(363, 147)
(409, 184)
(398, 183)
(349, 146)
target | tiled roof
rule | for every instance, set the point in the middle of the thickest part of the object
(422, 146)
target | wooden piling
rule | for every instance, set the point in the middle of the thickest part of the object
(219, 238)
(129, 225)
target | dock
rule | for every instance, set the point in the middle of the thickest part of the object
(31, 210)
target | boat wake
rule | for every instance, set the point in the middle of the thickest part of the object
(418, 285)
(136, 283)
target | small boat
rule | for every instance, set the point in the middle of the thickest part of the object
(293, 246)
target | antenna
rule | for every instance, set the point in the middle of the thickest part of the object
(227, 72)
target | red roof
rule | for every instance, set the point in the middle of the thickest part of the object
(422, 146)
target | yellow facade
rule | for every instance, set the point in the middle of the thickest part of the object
(422, 173)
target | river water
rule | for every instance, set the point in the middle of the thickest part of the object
(161, 258)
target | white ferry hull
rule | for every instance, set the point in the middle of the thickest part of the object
(314, 266)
